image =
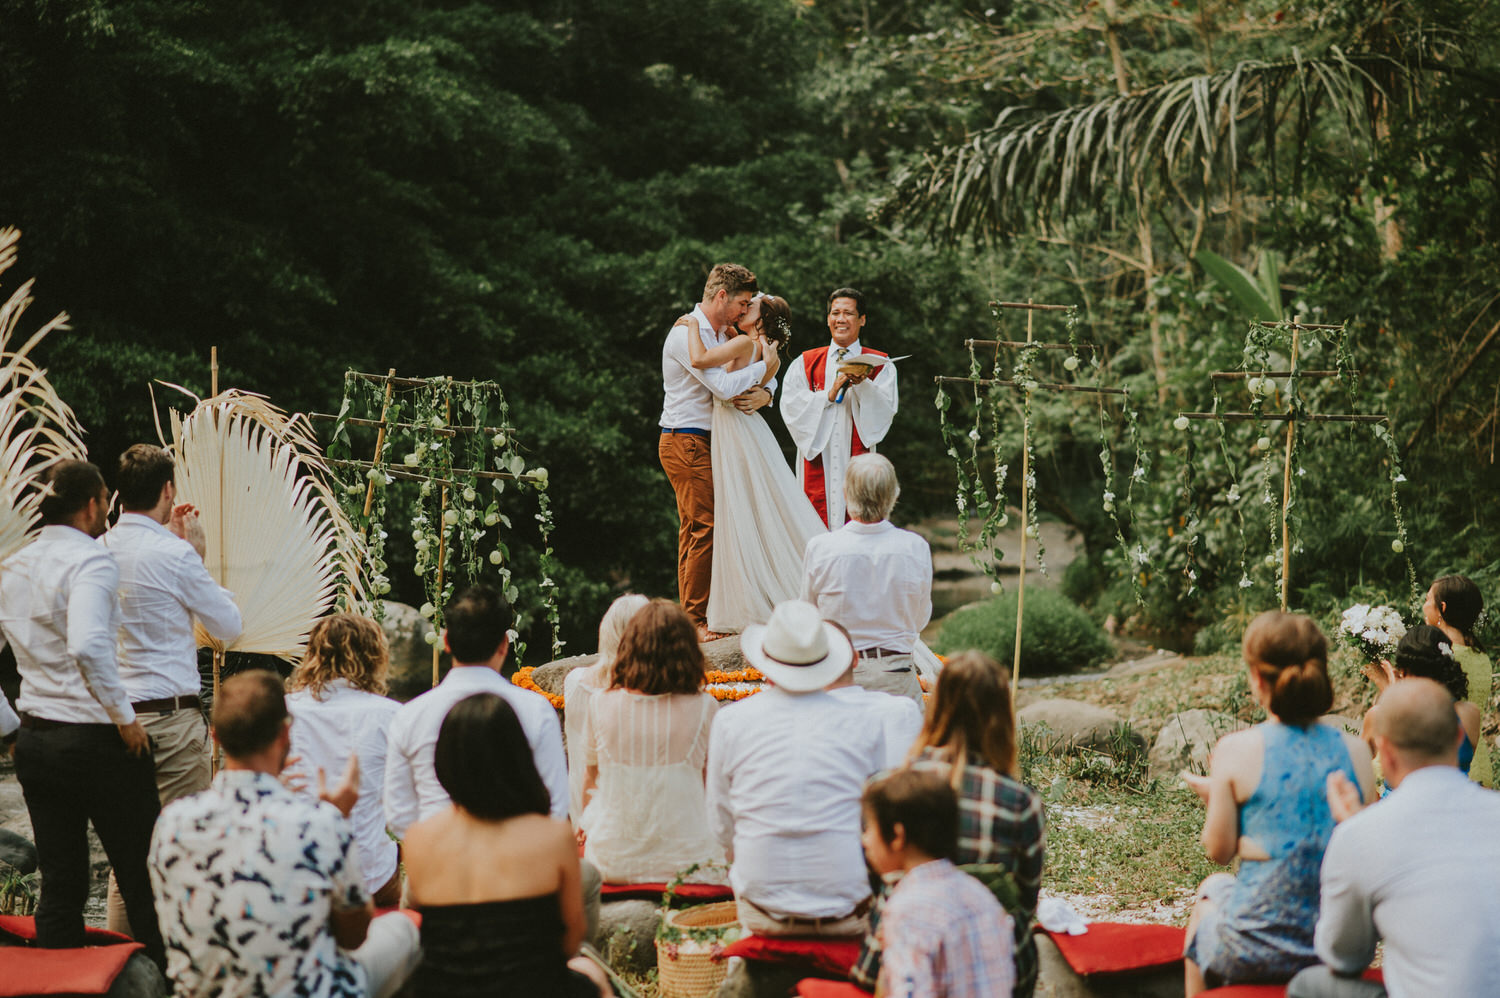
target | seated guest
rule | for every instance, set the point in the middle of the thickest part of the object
(496, 879)
(478, 637)
(873, 578)
(1421, 870)
(1454, 605)
(900, 718)
(1426, 653)
(339, 705)
(646, 747)
(944, 935)
(579, 687)
(259, 891)
(1266, 806)
(786, 768)
(969, 738)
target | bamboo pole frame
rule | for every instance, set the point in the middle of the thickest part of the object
(1292, 420)
(1031, 308)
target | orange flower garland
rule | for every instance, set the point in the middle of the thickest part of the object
(713, 677)
(523, 679)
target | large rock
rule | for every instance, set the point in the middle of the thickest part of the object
(16, 853)
(627, 934)
(1187, 739)
(724, 654)
(411, 655)
(550, 676)
(139, 979)
(1055, 979)
(1074, 723)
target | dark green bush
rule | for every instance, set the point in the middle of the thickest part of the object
(1058, 636)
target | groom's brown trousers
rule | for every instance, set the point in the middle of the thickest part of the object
(688, 462)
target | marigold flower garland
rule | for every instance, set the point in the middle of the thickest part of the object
(713, 677)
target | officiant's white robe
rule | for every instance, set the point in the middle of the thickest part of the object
(824, 431)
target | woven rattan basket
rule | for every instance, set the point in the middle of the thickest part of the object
(693, 968)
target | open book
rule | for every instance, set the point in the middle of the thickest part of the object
(864, 363)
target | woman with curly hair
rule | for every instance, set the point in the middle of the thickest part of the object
(1454, 606)
(338, 705)
(1428, 652)
(645, 814)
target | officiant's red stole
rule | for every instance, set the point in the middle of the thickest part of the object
(815, 363)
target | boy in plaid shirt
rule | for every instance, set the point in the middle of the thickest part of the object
(942, 933)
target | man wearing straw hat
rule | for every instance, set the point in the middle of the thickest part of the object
(164, 585)
(785, 772)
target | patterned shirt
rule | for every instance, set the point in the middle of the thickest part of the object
(246, 877)
(1000, 823)
(946, 936)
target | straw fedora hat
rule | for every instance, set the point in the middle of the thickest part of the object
(796, 649)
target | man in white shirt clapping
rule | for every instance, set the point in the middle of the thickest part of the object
(158, 545)
(82, 755)
(875, 579)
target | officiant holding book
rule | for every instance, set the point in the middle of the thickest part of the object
(836, 407)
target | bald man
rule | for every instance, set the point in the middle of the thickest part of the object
(1420, 869)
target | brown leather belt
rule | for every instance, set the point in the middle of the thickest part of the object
(880, 653)
(34, 723)
(166, 705)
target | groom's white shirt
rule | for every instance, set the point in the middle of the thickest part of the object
(687, 393)
(819, 426)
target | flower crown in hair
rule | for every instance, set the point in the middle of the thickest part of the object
(782, 326)
(1445, 649)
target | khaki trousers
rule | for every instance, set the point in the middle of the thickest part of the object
(757, 920)
(181, 754)
(688, 462)
(876, 674)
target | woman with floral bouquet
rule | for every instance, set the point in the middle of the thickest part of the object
(1428, 653)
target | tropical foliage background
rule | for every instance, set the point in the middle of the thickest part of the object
(529, 192)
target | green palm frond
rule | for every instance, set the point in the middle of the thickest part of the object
(36, 426)
(1122, 151)
(276, 536)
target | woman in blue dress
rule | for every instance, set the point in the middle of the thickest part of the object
(1266, 793)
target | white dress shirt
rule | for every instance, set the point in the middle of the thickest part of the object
(163, 585)
(873, 578)
(324, 733)
(821, 427)
(785, 775)
(9, 721)
(1421, 870)
(687, 393)
(900, 719)
(58, 610)
(412, 790)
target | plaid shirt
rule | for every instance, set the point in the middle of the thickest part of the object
(1000, 823)
(941, 929)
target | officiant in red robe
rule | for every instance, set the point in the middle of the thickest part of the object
(832, 415)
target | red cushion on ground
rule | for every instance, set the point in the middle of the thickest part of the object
(23, 927)
(1118, 947)
(814, 987)
(653, 892)
(831, 956)
(1272, 990)
(87, 970)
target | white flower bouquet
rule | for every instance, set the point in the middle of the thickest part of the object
(1374, 630)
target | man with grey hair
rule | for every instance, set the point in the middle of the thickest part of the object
(873, 578)
(1421, 869)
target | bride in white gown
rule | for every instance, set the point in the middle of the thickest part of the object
(762, 518)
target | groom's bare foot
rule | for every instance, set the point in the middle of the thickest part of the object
(705, 635)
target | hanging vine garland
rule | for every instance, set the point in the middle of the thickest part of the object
(440, 435)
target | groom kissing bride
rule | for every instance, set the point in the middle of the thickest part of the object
(723, 461)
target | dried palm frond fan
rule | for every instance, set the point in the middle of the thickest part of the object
(276, 537)
(37, 429)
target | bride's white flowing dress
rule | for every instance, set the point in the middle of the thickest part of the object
(762, 523)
